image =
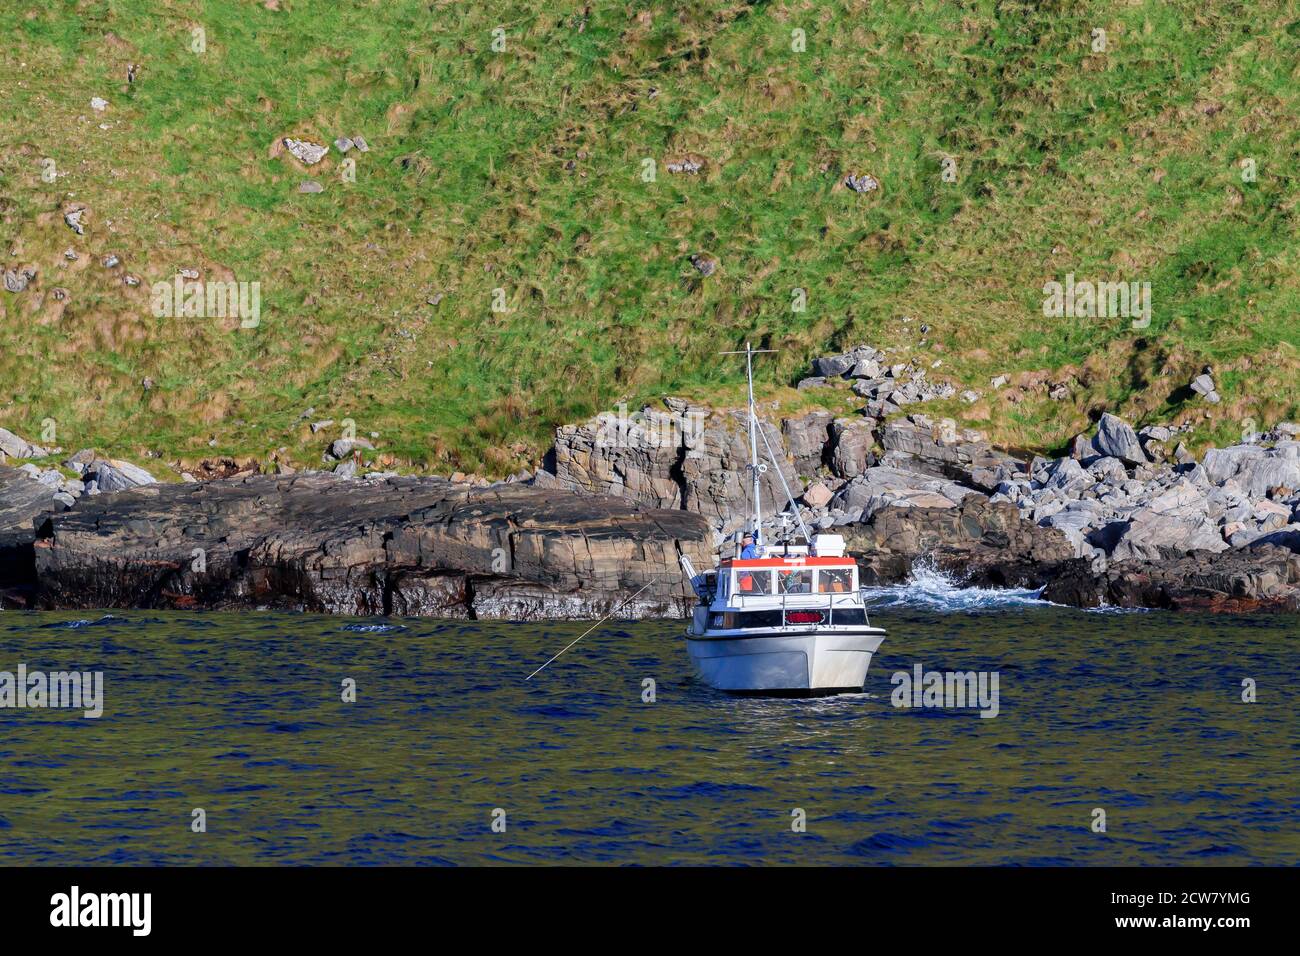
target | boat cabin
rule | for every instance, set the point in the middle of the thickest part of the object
(782, 576)
(787, 586)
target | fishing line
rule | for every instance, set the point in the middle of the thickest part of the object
(590, 629)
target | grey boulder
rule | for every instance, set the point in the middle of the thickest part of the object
(15, 447)
(1117, 439)
(118, 475)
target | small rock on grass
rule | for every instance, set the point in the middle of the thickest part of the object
(862, 184)
(343, 447)
(690, 164)
(705, 265)
(305, 151)
(16, 279)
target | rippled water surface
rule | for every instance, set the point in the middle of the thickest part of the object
(1138, 714)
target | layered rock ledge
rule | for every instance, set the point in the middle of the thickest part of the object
(403, 546)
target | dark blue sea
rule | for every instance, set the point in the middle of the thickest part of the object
(1139, 715)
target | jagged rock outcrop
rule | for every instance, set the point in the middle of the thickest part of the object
(696, 458)
(1176, 520)
(982, 543)
(1261, 578)
(638, 456)
(807, 439)
(853, 442)
(1112, 510)
(25, 505)
(882, 487)
(397, 546)
(24, 499)
(1116, 499)
(918, 444)
(684, 457)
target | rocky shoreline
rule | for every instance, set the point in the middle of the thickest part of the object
(323, 543)
(1124, 520)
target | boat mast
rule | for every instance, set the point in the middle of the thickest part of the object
(753, 443)
(754, 434)
(755, 469)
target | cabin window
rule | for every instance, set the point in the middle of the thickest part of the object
(753, 581)
(742, 619)
(848, 615)
(795, 582)
(835, 581)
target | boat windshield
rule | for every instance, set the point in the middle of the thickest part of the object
(795, 582)
(757, 581)
(834, 580)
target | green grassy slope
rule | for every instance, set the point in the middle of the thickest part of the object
(522, 170)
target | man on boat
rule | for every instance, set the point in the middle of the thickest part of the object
(748, 550)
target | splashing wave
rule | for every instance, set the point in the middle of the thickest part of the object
(929, 587)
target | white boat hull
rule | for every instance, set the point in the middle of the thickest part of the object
(810, 662)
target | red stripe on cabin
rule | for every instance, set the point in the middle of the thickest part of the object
(794, 561)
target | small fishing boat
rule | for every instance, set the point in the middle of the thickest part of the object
(782, 619)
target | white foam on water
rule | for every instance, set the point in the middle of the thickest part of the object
(929, 587)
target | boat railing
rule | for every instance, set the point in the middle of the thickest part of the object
(824, 600)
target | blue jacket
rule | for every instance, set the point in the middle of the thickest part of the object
(748, 552)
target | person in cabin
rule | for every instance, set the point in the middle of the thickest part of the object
(748, 550)
(834, 580)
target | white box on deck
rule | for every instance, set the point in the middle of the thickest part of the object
(828, 545)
